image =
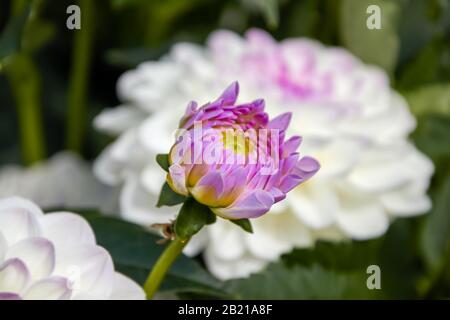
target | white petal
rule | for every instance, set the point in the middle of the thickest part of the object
(89, 269)
(126, 289)
(52, 288)
(226, 240)
(66, 230)
(119, 119)
(338, 157)
(162, 125)
(3, 247)
(14, 276)
(139, 206)
(37, 253)
(107, 169)
(238, 268)
(405, 202)
(277, 234)
(363, 221)
(386, 167)
(315, 203)
(152, 178)
(18, 219)
(197, 243)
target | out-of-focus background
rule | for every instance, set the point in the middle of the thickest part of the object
(54, 81)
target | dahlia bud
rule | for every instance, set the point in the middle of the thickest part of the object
(232, 159)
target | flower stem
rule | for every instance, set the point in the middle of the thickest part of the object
(161, 267)
(81, 58)
(25, 84)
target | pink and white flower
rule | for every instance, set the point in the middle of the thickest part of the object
(55, 256)
(349, 117)
(240, 164)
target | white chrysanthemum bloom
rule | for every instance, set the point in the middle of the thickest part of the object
(350, 119)
(63, 181)
(55, 256)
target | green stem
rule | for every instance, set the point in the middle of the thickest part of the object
(25, 84)
(81, 59)
(161, 267)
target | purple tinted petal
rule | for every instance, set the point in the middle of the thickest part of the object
(281, 122)
(229, 96)
(307, 167)
(212, 180)
(291, 145)
(9, 296)
(251, 205)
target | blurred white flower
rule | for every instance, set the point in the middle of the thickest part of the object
(350, 118)
(55, 256)
(63, 181)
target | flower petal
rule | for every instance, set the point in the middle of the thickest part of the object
(14, 276)
(251, 205)
(66, 230)
(126, 289)
(18, 219)
(52, 288)
(89, 269)
(37, 253)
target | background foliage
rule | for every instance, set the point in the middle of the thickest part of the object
(50, 72)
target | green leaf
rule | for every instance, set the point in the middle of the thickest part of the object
(268, 8)
(163, 161)
(435, 240)
(192, 217)
(377, 46)
(244, 224)
(344, 256)
(10, 38)
(168, 197)
(37, 34)
(431, 99)
(279, 282)
(134, 251)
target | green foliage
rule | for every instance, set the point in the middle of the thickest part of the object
(10, 37)
(379, 47)
(431, 99)
(134, 251)
(168, 197)
(191, 218)
(163, 161)
(279, 282)
(245, 224)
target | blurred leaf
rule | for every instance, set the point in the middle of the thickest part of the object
(423, 69)
(163, 161)
(168, 197)
(10, 38)
(303, 18)
(130, 58)
(134, 251)
(432, 137)
(394, 253)
(245, 224)
(268, 8)
(279, 282)
(344, 256)
(192, 217)
(421, 21)
(431, 99)
(379, 47)
(37, 34)
(435, 240)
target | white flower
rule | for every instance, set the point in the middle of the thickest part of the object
(55, 256)
(350, 118)
(63, 181)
